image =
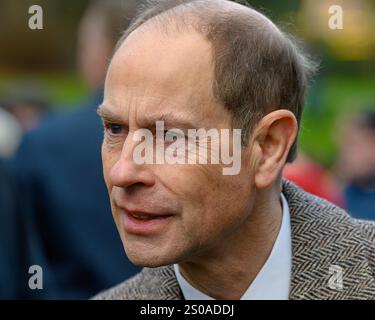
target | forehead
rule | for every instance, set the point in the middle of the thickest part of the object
(162, 52)
(152, 68)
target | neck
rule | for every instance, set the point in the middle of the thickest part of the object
(226, 271)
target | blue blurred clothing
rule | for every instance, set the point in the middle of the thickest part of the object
(9, 236)
(360, 202)
(70, 230)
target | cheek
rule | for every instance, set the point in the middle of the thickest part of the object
(209, 199)
(109, 158)
(189, 183)
(106, 165)
(230, 198)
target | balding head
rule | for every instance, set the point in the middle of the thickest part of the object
(197, 14)
(258, 68)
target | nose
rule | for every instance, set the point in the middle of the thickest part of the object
(126, 173)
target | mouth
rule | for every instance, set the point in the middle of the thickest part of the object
(144, 223)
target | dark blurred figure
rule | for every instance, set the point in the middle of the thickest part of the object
(69, 228)
(9, 230)
(356, 164)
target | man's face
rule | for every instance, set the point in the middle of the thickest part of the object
(168, 213)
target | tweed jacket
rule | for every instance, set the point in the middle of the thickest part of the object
(325, 240)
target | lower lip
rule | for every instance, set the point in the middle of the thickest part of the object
(144, 227)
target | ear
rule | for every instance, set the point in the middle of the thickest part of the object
(273, 137)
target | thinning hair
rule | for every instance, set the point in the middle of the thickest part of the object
(257, 67)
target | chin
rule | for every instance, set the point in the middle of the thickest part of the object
(149, 258)
(150, 261)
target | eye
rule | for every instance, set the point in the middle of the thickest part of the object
(174, 135)
(114, 128)
(170, 136)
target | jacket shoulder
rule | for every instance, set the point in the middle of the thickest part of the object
(150, 284)
(324, 237)
(367, 230)
(367, 227)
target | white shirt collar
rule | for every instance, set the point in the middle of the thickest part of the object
(273, 280)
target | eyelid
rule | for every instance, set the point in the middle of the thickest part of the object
(107, 127)
(107, 123)
(174, 134)
(171, 135)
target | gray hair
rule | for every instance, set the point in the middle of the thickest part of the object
(257, 67)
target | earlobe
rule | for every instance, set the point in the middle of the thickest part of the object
(276, 133)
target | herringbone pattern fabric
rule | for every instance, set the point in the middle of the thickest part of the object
(323, 236)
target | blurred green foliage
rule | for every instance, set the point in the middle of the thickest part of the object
(62, 90)
(328, 101)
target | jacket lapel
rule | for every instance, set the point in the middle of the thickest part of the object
(166, 286)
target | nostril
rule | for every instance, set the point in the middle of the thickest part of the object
(126, 174)
(134, 188)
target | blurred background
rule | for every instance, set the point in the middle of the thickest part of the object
(50, 85)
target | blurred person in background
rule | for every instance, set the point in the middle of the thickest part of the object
(27, 102)
(69, 230)
(9, 229)
(13, 267)
(10, 134)
(356, 163)
(22, 108)
(314, 178)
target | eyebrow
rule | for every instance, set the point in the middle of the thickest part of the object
(107, 114)
(170, 119)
